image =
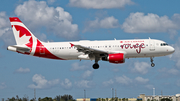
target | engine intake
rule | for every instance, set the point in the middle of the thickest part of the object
(114, 58)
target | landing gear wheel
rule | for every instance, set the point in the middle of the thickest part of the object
(96, 66)
(152, 64)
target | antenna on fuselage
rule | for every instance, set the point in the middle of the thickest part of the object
(114, 38)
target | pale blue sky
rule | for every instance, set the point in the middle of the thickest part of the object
(90, 20)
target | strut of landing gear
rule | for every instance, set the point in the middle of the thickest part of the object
(152, 64)
(96, 66)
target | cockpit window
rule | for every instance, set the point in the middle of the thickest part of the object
(164, 44)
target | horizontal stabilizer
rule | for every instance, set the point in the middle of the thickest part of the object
(19, 48)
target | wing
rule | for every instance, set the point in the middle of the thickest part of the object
(88, 50)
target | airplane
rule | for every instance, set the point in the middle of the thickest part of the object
(114, 51)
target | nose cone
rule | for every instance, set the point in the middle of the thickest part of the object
(171, 50)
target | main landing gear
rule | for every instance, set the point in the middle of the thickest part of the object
(96, 65)
(152, 64)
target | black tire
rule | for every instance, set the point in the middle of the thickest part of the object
(152, 64)
(95, 66)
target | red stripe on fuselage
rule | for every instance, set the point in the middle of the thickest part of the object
(41, 51)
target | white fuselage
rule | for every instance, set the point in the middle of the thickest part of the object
(131, 48)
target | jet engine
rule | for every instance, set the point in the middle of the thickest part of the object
(114, 58)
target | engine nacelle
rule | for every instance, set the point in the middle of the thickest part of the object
(115, 58)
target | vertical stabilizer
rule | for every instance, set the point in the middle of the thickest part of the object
(22, 34)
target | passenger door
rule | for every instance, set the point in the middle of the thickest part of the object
(152, 45)
(41, 50)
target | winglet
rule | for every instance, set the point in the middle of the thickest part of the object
(72, 44)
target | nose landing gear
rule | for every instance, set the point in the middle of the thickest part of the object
(152, 64)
